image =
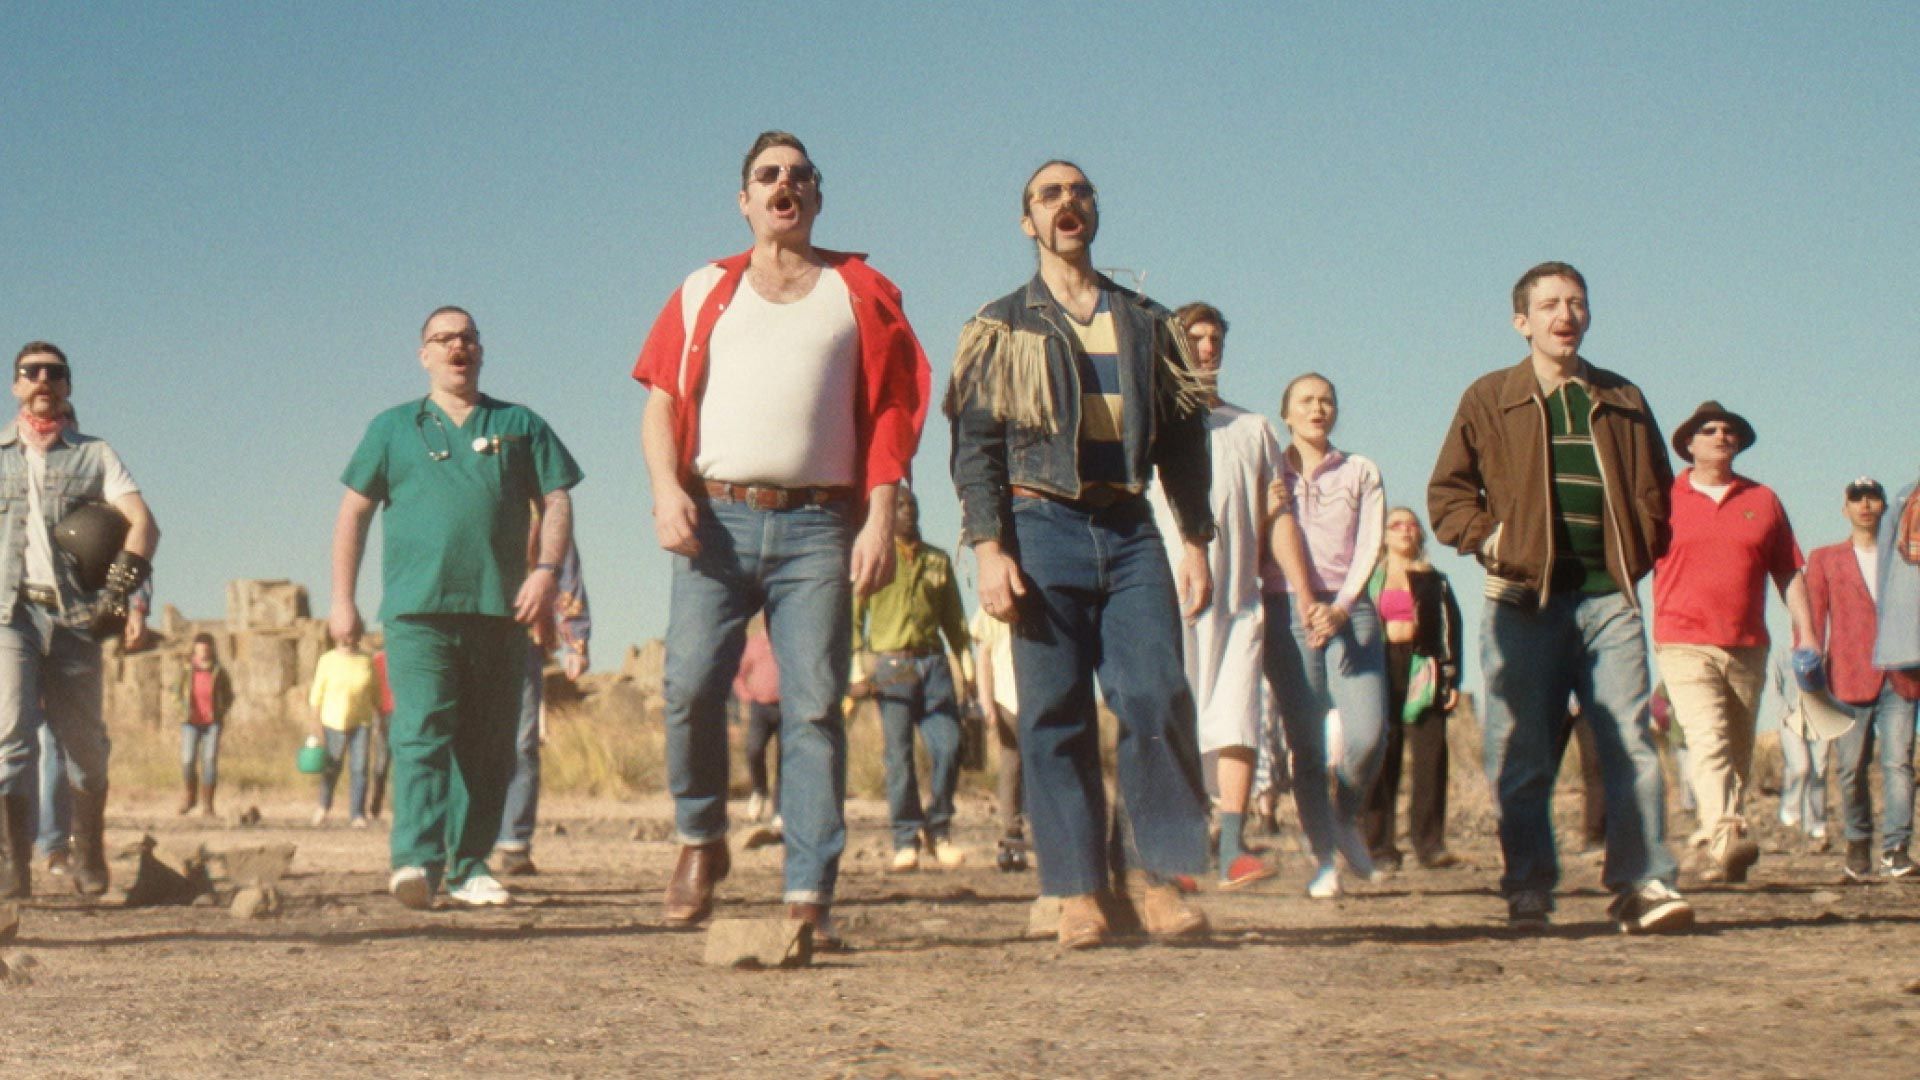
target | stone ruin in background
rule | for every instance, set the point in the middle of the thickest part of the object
(270, 643)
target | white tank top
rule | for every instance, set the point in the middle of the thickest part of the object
(781, 379)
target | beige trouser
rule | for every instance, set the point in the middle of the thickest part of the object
(1715, 693)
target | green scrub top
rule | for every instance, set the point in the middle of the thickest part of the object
(458, 502)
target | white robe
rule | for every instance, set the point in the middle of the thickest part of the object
(1224, 645)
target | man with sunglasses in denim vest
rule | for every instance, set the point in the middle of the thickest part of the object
(54, 617)
(1070, 395)
(786, 396)
(458, 474)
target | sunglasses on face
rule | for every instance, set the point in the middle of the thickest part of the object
(37, 372)
(798, 175)
(1052, 195)
(446, 340)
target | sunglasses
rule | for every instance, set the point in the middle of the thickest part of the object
(37, 372)
(446, 340)
(1052, 195)
(799, 175)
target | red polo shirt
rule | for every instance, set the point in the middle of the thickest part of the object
(1710, 588)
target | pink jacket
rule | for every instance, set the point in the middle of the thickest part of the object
(1844, 622)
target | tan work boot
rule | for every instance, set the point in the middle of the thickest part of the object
(1082, 924)
(1165, 913)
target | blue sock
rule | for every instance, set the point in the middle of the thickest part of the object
(1230, 829)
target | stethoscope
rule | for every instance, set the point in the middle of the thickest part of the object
(482, 444)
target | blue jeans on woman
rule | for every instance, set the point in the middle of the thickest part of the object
(350, 748)
(201, 744)
(794, 563)
(522, 807)
(1888, 723)
(917, 692)
(1100, 602)
(54, 800)
(1347, 672)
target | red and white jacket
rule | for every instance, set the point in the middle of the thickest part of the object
(894, 380)
(1844, 625)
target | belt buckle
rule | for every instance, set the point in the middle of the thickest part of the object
(762, 498)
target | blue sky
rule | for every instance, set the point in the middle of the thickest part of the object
(234, 217)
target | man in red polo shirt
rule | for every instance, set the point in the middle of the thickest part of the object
(1730, 535)
(787, 393)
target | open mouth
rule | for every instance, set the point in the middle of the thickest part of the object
(1068, 223)
(784, 204)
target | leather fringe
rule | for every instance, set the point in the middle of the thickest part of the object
(1003, 371)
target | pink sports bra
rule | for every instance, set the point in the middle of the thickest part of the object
(1396, 605)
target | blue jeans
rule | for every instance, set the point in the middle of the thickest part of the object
(918, 692)
(54, 802)
(794, 563)
(350, 748)
(50, 676)
(201, 745)
(1348, 672)
(1803, 781)
(1595, 648)
(523, 791)
(1100, 602)
(1888, 721)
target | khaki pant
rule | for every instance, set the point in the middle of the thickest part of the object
(1715, 693)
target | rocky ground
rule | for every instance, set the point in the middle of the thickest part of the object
(1791, 975)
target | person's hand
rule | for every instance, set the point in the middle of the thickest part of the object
(575, 665)
(1313, 620)
(1001, 585)
(1451, 699)
(135, 633)
(676, 520)
(343, 622)
(860, 690)
(1809, 671)
(1194, 582)
(872, 557)
(1328, 620)
(535, 596)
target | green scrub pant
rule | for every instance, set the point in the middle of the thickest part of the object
(456, 705)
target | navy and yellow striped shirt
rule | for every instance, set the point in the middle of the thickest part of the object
(1103, 458)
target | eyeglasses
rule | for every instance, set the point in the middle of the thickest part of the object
(446, 340)
(1052, 195)
(800, 175)
(37, 372)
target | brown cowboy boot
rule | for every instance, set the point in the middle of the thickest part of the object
(16, 848)
(90, 875)
(690, 890)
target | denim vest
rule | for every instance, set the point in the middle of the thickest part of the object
(1161, 426)
(75, 474)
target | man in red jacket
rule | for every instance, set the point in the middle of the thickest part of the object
(1842, 588)
(787, 396)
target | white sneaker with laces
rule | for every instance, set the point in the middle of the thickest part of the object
(481, 890)
(949, 855)
(1325, 884)
(411, 886)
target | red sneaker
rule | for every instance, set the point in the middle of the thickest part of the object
(1246, 870)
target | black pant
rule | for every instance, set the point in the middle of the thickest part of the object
(763, 726)
(1427, 739)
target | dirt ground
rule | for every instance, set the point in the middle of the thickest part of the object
(1790, 975)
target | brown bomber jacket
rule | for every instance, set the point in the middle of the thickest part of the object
(1491, 493)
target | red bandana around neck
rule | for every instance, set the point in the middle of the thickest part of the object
(37, 432)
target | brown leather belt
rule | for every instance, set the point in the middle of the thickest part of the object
(908, 654)
(1097, 497)
(758, 497)
(41, 596)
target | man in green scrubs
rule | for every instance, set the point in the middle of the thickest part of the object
(458, 474)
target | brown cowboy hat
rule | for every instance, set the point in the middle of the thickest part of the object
(1707, 412)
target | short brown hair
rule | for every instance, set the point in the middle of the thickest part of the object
(766, 141)
(1192, 315)
(36, 348)
(1523, 289)
(1026, 189)
(448, 309)
(204, 638)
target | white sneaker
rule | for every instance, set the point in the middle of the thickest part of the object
(481, 890)
(319, 817)
(949, 855)
(411, 886)
(905, 861)
(1325, 884)
(757, 807)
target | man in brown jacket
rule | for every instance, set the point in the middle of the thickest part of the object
(1555, 477)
